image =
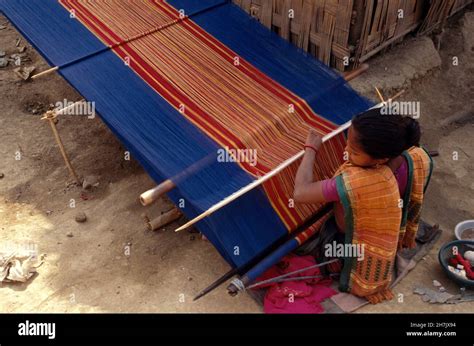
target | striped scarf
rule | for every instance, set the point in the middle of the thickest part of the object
(420, 167)
(372, 213)
(376, 219)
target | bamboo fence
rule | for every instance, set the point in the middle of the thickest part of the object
(345, 33)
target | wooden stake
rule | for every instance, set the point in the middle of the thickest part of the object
(44, 73)
(379, 94)
(164, 219)
(50, 116)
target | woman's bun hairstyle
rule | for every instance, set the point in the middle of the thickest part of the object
(385, 135)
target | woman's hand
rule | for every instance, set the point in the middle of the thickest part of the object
(306, 189)
(313, 140)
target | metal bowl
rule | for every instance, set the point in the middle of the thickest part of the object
(461, 227)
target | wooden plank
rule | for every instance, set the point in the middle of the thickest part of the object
(266, 12)
(377, 17)
(343, 21)
(305, 25)
(245, 4)
(329, 25)
(361, 49)
(296, 8)
(392, 13)
(285, 20)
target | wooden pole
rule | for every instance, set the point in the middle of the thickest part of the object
(348, 76)
(379, 94)
(269, 175)
(44, 73)
(50, 116)
(164, 219)
(148, 197)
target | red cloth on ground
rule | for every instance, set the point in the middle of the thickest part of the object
(299, 297)
(458, 259)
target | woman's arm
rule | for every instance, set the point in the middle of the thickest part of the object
(306, 190)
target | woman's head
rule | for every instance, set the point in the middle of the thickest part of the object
(374, 138)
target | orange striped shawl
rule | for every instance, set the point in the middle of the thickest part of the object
(420, 167)
(373, 214)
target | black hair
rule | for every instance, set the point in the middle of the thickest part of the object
(385, 135)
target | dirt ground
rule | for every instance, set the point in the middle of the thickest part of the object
(87, 269)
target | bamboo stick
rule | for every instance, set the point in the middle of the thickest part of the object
(270, 174)
(164, 219)
(348, 76)
(44, 73)
(148, 197)
(379, 94)
(50, 116)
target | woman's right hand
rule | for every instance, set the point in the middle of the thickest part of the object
(313, 140)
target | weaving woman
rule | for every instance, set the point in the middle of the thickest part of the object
(377, 195)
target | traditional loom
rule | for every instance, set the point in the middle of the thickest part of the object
(176, 82)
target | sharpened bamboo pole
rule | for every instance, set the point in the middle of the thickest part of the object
(44, 73)
(270, 174)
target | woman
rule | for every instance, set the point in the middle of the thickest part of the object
(377, 195)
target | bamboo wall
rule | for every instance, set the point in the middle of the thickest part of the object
(347, 32)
